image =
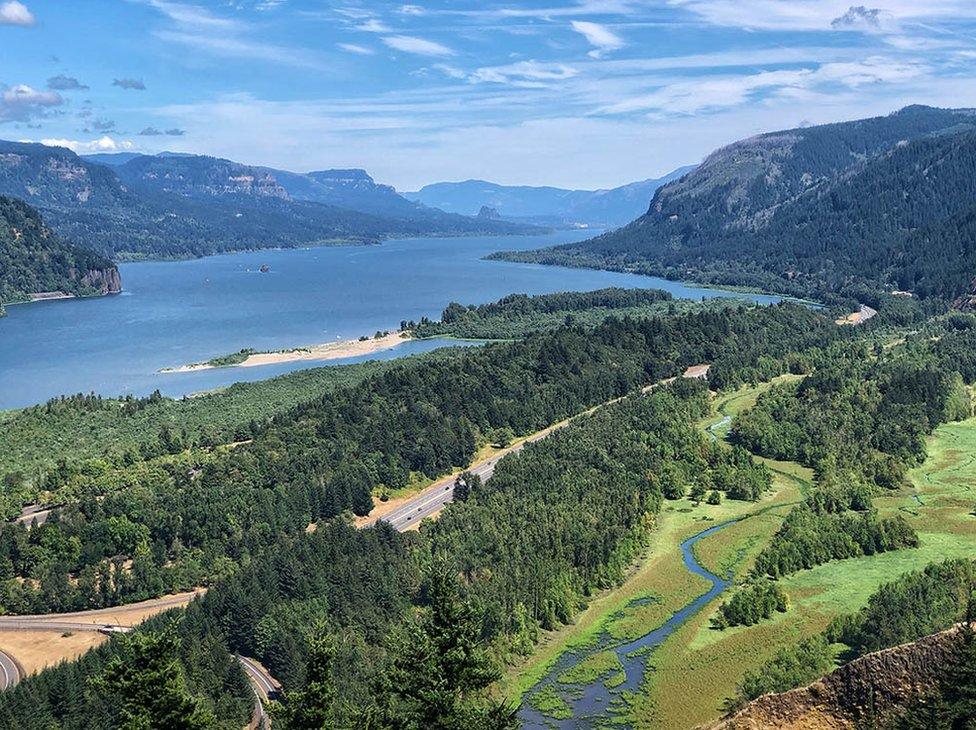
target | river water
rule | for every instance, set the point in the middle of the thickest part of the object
(594, 704)
(173, 313)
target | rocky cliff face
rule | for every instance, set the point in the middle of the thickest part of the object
(107, 280)
(967, 302)
(871, 686)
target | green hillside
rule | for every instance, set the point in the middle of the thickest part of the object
(34, 260)
(876, 203)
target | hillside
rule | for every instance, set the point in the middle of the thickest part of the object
(33, 260)
(874, 202)
(185, 205)
(872, 688)
(548, 205)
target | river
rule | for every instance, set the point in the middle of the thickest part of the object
(597, 703)
(177, 312)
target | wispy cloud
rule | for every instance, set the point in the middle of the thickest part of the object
(418, 46)
(374, 26)
(356, 48)
(199, 28)
(524, 73)
(599, 36)
(16, 13)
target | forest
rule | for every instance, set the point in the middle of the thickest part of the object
(333, 612)
(519, 315)
(33, 259)
(189, 516)
(884, 203)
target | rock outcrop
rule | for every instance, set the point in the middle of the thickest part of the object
(106, 280)
(871, 686)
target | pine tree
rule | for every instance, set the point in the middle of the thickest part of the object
(146, 686)
(440, 668)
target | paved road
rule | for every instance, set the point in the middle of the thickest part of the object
(102, 619)
(9, 671)
(33, 512)
(432, 499)
(264, 685)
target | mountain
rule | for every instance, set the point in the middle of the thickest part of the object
(886, 203)
(34, 261)
(188, 205)
(548, 205)
(352, 189)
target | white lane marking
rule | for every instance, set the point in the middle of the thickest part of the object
(6, 674)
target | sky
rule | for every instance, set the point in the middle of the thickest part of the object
(573, 93)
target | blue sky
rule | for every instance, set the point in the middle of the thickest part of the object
(576, 93)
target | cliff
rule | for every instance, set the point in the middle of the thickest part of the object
(871, 686)
(36, 264)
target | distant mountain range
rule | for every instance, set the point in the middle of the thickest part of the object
(887, 203)
(34, 261)
(173, 205)
(546, 205)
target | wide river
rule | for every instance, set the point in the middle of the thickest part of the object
(173, 313)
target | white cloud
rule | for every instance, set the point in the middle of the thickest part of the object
(16, 13)
(194, 16)
(231, 47)
(524, 73)
(419, 46)
(693, 96)
(355, 48)
(412, 10)
(374, 26)
(599, 36)
(102, 144)
(22, 102)
(820, 14)
(452, 72)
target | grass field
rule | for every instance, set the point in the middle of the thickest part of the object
(698, 667)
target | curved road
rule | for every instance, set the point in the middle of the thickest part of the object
(264, 685)
(9, 671)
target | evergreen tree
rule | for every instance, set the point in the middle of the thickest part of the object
(146, 686)
(440, 669)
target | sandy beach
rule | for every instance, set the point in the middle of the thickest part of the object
(326, 351)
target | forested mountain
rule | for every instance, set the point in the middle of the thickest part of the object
(178, 205)
(547, 205)
(886, 202)
(33, 260)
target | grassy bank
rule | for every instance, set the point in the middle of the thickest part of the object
(698, 667)
(659, 585)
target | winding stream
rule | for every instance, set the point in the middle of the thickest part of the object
(592, 703)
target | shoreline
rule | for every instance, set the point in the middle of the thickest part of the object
(338, 350)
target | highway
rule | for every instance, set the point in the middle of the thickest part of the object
(265, 688)
(105, 620)
(9, 671)
(432, 500)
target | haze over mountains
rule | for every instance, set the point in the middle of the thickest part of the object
(187, 205)
(888, 203)
(546, 205)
